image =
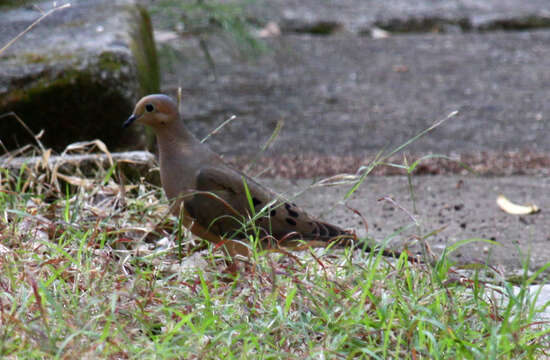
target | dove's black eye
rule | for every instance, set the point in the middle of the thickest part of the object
(149, 107)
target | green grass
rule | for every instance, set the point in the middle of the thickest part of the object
(83, 276)
(210, 18)
(210, 22)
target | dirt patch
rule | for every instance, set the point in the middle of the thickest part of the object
(479, 163)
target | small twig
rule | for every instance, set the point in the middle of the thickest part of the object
(358, 213)
(132, 157)
(37, 8)
(394, 203)
(216, 130)
(36, 137)
(4, 147)
(206, 52)
(29, 28)
(38, 298)
(268, 143)
(122, 187)
(180, 97)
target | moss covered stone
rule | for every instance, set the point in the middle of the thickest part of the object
(71, 104)
(74, 78)
(110, 61)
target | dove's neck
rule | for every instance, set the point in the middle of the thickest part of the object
(181, 155)
(174, 138)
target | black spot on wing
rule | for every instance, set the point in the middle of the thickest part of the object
(292, 213)
(189, 209)
(322, 230)
(291, 221)
(332, 231)
(314, 230)
(255, 202)
(272, 213)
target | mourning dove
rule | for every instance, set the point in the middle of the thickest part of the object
(218, 199)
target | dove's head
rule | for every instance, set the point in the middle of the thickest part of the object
(155, 110)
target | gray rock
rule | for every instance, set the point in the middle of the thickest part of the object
(71, 75)
(360, 16)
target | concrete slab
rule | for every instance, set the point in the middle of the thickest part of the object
(427, 15)
(350, 95)
(456, 207)
(71, 75)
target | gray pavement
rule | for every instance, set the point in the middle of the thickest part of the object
(358, 16)
(343, 95)
(461, 207)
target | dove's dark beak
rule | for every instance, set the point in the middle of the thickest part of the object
(129, 122)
